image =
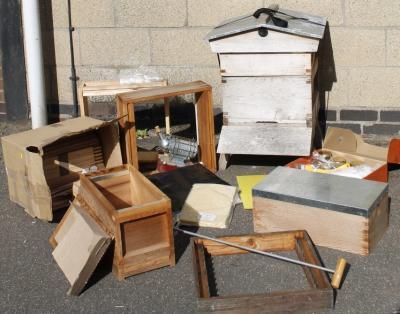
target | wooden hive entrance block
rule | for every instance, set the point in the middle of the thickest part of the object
(338, 212)
(204, 118)
(135, 213)
(319, 295)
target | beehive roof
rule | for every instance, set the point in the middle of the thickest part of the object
(299, 23)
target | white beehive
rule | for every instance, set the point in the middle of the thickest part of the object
(270, 102)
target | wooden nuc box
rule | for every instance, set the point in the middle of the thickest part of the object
(136, 213)
(269, 73)
(341, 213)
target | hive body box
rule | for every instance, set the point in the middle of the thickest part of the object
(338, 212)
(136, 213)
(270, 103)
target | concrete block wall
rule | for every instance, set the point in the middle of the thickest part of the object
(167, 35)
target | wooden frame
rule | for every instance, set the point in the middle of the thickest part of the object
(204, 115)
(112, 88)
(136, 213)
(318, 296)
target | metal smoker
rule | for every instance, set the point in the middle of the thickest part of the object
(180, 150)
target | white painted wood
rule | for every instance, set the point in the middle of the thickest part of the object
(274, 42)
(266, 139)
(265, 64)
(267, 99)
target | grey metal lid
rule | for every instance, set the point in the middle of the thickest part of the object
(337, 193)
(301, 24)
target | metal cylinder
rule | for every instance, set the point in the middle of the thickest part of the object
(34, 61)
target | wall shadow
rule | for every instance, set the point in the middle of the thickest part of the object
(49, 56)
(324, 83)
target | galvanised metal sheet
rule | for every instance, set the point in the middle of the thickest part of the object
(332, 192)
(313, 26)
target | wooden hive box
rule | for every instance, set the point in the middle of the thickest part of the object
(270, 102)
(338, 212)
(136, 213)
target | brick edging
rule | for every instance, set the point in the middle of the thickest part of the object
(382, 121)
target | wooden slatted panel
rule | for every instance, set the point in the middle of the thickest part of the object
(265, 99)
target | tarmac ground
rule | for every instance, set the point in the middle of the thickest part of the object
(31, 281)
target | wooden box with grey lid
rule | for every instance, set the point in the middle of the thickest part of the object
(338, 212)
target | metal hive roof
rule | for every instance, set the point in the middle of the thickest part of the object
(301, 24)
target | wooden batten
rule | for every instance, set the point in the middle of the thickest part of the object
(274, 42)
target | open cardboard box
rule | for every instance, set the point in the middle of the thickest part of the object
(344, 143)
(36, 182)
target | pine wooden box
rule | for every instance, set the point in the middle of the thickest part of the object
(341, 213)
(136, 213)
(270, 97)
(319, 295)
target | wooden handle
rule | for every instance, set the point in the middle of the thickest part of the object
(337, 276)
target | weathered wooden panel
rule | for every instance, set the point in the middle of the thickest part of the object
(266, 139)
(262, 64)
(273, 42)
(267, 99)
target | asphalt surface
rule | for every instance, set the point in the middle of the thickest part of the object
(31, 281)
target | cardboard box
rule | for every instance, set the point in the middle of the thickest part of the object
(338, 212)
(344, 143)
(35, 182)
(79, 244)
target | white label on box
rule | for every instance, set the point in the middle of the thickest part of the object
(207, 216)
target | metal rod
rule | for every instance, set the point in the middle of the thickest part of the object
(73, 76)
(238, 246)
